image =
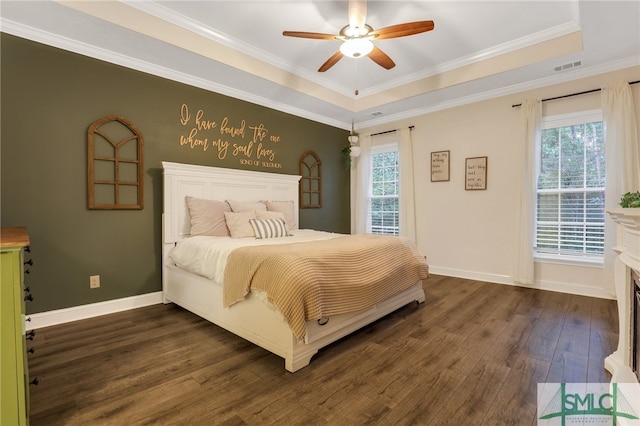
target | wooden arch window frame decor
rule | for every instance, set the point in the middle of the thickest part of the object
(115, 165)
(310, 181)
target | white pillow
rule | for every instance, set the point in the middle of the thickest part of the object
(238, 224)
(246, 206)
(269, 228)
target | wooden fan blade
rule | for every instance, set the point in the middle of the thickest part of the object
(381, 58)
(304, 34)
(402, 30)
(331, 61)
(357, 13)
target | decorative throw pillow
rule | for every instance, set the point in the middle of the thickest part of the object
(207, 217)
(269, 228)
(246, 206)
(286, 208)
(238, 224)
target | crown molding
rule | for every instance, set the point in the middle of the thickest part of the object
(493, 52)
(91, 51)
(575, 74)
(85, 49)
(161, 12)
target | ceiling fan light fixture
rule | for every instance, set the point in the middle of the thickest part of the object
(356, 47)
(357, 37)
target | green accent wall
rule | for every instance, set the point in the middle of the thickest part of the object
(50, 97)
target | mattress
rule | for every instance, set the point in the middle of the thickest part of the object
(207, 256)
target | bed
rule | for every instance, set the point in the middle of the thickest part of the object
(254, 317)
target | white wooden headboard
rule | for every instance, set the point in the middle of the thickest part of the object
(216, 183)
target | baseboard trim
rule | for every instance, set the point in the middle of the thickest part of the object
(570, 288)
(75, 313)
(470, 275)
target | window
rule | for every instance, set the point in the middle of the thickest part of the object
(384, 190)
(570, 195)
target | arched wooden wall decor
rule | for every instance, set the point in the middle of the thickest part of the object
(115, 165)
(311, 181)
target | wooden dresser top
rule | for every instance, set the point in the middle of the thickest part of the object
(14, 237)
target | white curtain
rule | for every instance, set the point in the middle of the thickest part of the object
(406, 197)
(523, 271)
(622, 158)
(363, 187)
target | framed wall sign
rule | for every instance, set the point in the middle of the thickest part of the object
(475, 173)
(440, 166)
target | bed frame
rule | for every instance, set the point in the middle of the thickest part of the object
(251, 319)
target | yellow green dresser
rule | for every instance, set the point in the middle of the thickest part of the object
(14, 404)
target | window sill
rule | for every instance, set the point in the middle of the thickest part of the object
(584, 261)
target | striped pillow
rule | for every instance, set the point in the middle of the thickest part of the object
(269, 228)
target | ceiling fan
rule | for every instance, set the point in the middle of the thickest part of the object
(357, 37)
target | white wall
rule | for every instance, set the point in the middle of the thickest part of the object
(472, 234)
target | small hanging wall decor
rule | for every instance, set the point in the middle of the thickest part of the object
(440, 166)
(115, 165)
(310, 181)
(475, 173)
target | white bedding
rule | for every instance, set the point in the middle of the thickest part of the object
(207, 256)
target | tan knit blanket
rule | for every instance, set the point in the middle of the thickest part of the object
(311, 280)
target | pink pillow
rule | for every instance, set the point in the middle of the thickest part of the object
(207, 217)
(286, 208)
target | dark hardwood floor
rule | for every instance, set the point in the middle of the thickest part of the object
(472, 354)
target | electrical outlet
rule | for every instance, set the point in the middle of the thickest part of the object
(94, 281)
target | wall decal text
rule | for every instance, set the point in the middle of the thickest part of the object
(252, 145)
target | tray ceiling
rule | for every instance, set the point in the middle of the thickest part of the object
(478, 49)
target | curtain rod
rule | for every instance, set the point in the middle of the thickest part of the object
(572, 94)
(389, 131)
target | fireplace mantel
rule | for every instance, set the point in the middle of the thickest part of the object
(619, 363)
(628, 240)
